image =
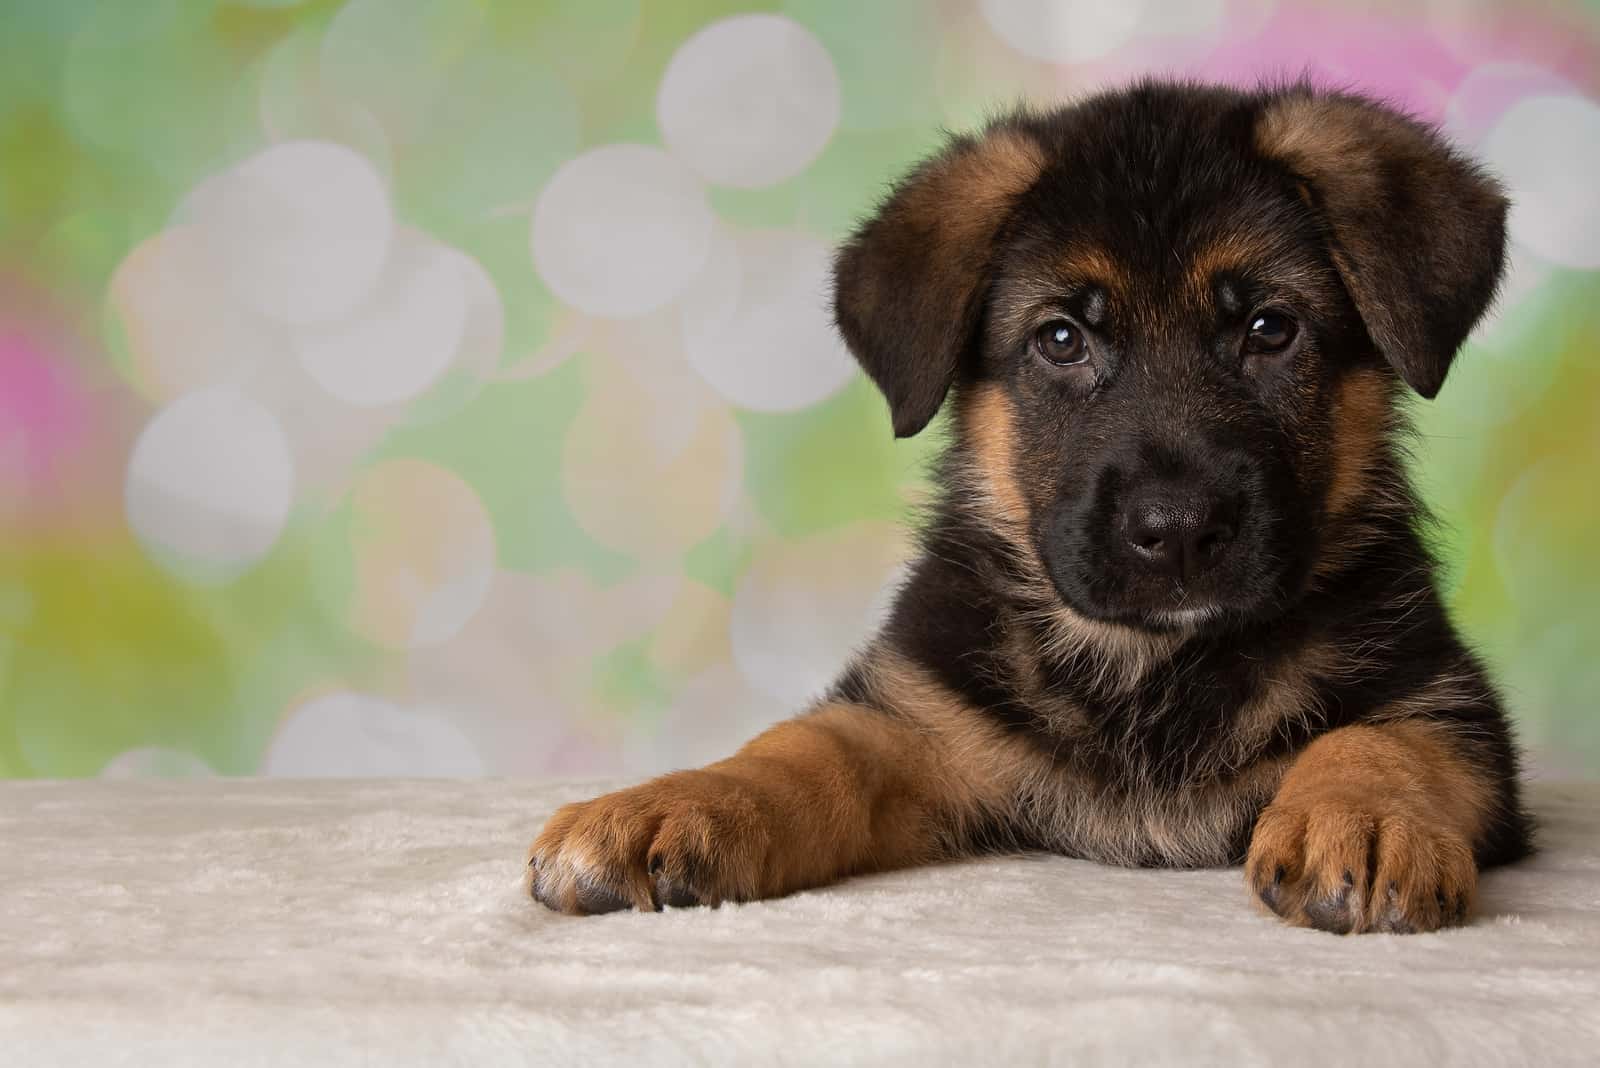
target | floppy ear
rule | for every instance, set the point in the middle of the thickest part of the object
(1417, 232)
(909, 285)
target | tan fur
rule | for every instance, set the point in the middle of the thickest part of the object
(1371, 173)
(988, 177)
(1290, 693)
(1442, 694)
(1319, 136)
(1373, 829)
(983, 770)
(1091, 265)
(1184, 828)
(988, 425)
(845, 790)
(838, 791)
(1329, 145)
(977, 764)
(1237, 250)
(1361, 423)
(907, 286)
(1298, 279)
(1032, 301)
(1124, 654)
(992, 178)
(1361, 419)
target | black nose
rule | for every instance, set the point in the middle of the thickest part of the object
(1182, 533)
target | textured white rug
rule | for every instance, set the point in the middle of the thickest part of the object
(276, 922)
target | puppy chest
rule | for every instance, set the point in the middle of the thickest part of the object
(1200, 827)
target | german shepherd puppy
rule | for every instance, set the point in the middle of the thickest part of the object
(1173, 607)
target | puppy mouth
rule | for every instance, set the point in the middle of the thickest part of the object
(1192, 614)
(1216, 606)
(1189, 617)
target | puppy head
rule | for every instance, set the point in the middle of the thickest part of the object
(1174, 320)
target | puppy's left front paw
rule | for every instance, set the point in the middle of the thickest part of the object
(689, 838)
(1348, 865)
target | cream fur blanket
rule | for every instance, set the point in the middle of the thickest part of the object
(278, 922)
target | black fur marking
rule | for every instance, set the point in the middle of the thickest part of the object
(947, 614)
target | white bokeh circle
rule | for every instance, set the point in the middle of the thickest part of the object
(757, 325)
(803, 607)
(1547, 150)
(749, 100)
(621, 230)
(1185, 18)
(1063, 31)
(1479, 100)
(712, 299)
(353, 735)
(210, 483)
(423, 550)
(299, 232)
(403, 337)
(482, 343)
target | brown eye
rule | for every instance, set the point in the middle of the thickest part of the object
(1061, 343)
(1270, 332)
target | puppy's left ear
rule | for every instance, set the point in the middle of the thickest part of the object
(909, 286)
(1416, 231)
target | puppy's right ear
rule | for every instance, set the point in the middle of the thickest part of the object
(909, 285)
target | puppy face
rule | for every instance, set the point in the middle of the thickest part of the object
(1169, 346)
(1175, 319)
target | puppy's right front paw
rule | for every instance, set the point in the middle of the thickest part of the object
(1347, 866)
(690, 838)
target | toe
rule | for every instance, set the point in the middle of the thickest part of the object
(1335, 909)
(1275, 860)
(1339, 844)
(595, 898)
(670, 884)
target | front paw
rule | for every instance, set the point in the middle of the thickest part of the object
(1350, 864)
(690, 838)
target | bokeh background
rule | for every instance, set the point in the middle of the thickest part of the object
(447, 387)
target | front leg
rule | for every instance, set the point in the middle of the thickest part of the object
(1373, 829)
(842, 790)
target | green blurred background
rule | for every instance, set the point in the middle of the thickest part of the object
(446, 388)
